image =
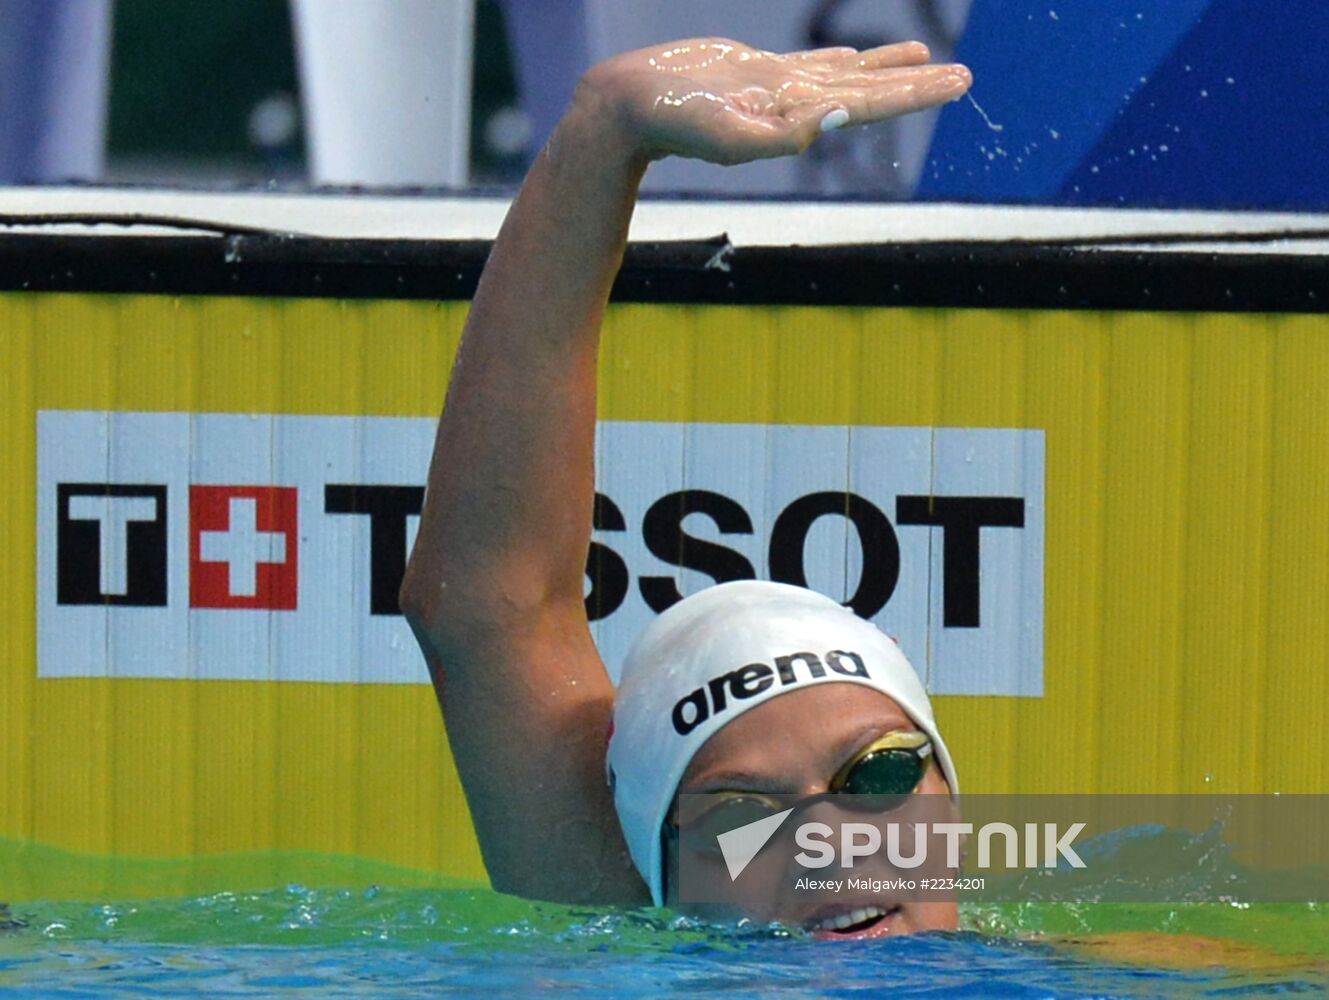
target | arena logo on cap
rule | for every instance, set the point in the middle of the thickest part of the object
(747, 681)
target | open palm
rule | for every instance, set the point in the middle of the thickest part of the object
(720, 100)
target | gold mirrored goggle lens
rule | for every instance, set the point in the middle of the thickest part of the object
(879, 777)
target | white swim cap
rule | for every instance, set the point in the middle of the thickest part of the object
(714, 656)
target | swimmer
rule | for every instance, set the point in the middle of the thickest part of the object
(494, 586)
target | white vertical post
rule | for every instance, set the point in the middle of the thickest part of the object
(386, 89)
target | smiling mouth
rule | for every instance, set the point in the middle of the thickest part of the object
(854, 922)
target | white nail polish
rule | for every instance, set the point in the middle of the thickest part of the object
(834, 119)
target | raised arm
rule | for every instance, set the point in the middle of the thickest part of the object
(495, 582)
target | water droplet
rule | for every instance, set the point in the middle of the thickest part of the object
(990, 123)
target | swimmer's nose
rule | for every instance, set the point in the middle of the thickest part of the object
(829, 810)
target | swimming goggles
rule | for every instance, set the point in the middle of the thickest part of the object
(878, 779)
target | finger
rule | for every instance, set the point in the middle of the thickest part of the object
(834, 54)
(853, 76)
(899, 54)
(846, 58)
(926, 87)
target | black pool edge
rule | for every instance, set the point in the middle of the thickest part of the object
(1008, 275)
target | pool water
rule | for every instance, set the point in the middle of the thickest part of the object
(374, 942)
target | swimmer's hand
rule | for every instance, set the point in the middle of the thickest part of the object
(720, 100)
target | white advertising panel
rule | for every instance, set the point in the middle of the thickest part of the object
(270, 547)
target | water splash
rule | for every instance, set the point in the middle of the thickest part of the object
(386, 941)
(988, 121)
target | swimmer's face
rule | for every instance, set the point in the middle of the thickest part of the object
(794, 744)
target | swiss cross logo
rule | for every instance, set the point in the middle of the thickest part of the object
(243, 547)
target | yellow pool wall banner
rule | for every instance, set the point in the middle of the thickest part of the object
(1103, 538)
